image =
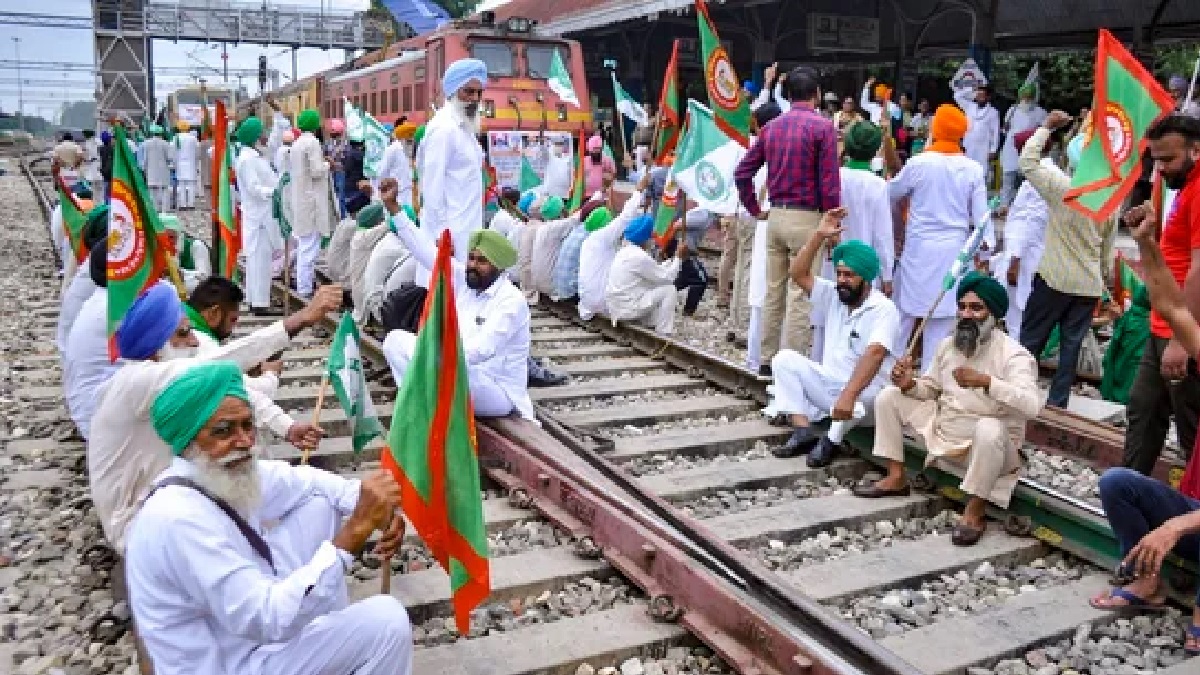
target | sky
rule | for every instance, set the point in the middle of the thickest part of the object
(45, 91)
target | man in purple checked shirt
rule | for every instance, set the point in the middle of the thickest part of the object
(800, 150)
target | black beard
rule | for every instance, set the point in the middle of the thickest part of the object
(477, 282)
(1176, 181)
(471, 109)
(850, 295)
(966, 336)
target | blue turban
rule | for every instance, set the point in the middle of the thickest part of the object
(461, 72)
(750, 86)
(639, 229)
(149, 323)
(526, 201)
(105, 137)
(860, 258)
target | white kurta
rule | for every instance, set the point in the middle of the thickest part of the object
(280, 158)
(869, 219)
(159, 156)
(261, 236)
(309, 188)
(874, 109)
(636, 285)
(947, 199)
(559, 175)
(1018, 118)
(378, 277)
(396, 164)
(187, 157)
(361, 249)
(547, 243)
(506, 224)
(596, 257)
(279, 125)
(337, 254)
(494, 322)
(983, 128)
(86, 366)
(80, 289)
(450, 166)
(90, 169)
(124, 453)
(1024, 238)
(206, 602)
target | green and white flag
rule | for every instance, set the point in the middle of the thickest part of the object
(345, 373)
(360, 126)
(560, 81)
(704, 162)
(626, 105)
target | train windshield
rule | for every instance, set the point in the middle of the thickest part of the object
(539, 57)
(498, 57)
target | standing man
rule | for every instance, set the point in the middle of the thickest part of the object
(1024, 243)
(800, 149)
(450, 160)
(312, 208)
(1074, 269)
(559, 172)
(1167, 382)
(1025, 115)
(876, 101)
(90, 170)
(158, 157)
(1178, 85)
(397, 162)
(983, 126)
(187, 166)
(260, 232)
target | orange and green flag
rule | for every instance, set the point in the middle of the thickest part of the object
(432, 448)
(491, 187)
(577, 186)
(74, 216)
(669, 117)
(227, 230)
(1128, 101)
(137, 247)
(730, 109)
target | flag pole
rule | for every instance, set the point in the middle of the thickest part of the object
(1192, 86)
(316, 417)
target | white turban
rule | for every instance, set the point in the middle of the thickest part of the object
(461, 72)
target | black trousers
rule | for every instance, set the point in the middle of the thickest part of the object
(1152, 401)
(1072, 314)
(694, 278)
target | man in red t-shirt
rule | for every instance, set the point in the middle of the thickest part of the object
(1167, 381)
(1150, 518)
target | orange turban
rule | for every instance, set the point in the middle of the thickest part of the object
(948, 128)
(405, 132)
(883, 92)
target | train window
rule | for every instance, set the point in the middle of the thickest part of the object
(383, 102)
(374, 110)
(408, 101)
(497, 56)
(419, 98)
(538, 58)
(395, 100)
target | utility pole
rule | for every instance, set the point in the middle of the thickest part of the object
(20, 90)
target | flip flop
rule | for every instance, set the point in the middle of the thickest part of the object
(1134, 604)
(1193, 632)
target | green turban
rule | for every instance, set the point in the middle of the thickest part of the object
(862, 140)
(419, 135)
(860, 258)
(495, 247)
(308, 120)
(552, 208)
(186, 404)
(989, 291)
(371, 215)
(1027, 91)
(598, 219)
(170, 222)
(157, 130)
(250, 131)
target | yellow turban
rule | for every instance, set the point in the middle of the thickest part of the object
(405, 132)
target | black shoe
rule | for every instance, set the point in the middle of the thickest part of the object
(765, 371)
(801, 441)
(822, 455)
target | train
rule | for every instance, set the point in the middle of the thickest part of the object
(187, 103)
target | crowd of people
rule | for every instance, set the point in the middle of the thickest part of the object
(850, 216)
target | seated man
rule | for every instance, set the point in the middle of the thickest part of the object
(599, 249)
(492, 314)
(213, 308)
(640, 289)
(214, 590)
(337, 254)
(1150, 518)
(80, 286)
(969, 408)
(373, 227)
(547, 243)
(864, 327)
(86, 364)
(191, 254)
(506, 220)
(592, 217)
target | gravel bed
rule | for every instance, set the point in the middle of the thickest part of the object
(695, 422)
(1064, 474)
(667, 463)
(950, 596)
(726, 502)
(598, 402)
(826, 546)
(586, 596)
(678, 661)
(1134, 646)
(584, 379)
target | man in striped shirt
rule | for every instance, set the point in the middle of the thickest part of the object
(800, 151)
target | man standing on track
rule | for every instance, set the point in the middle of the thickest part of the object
(1025, 115)
(397, 162)
(187, 166)
(311, 200)
(261, 236)
(158, 157)
(800, 149)
(450, 160)
(983, 131)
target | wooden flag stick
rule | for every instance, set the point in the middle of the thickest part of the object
(385, 579)
(287, 277)
(316, 416)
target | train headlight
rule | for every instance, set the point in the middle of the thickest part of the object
(489, 107)
(517, 24)
(562, 112)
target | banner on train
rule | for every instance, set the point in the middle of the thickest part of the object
(506, 148)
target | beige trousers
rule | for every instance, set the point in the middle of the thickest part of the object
(739, 307)
(788, 230)
(730, 257)
(989, 458)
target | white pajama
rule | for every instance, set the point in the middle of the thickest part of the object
(259, 252)
(308, 250)
(805, 387)
(186, 194)
(487, 397)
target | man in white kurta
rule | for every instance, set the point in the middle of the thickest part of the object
(373, 226)
(337, 253)
(875, 100)
(969, 409)
(863, 328)
(639, 289)
(547, 244)
(492, 315)
(450, 160)
(1024, 243)
(1025, 115)
(310, 197)
(191, 255)
(261, 236)
(86, 363)
(158, 159)
(124, 454)
(187, 167)
(560, 170)
(90, 169)
(947, 200)
(397, 164)
(211, 597)
(598, 251)
(982, 139)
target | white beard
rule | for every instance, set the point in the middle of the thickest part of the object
(170, 352)
(240, 487)
(472, 124)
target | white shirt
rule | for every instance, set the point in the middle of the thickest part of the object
(774, 93)
(983, 126)
(504, 223)
(848, 332)
(875, 110)
(869, 219)
(450, 165)
(1024, 238)
(256, 187)
(494, 322)
(1018, 118)
(596, 257)
(91, 160)
(396, 164)
(187, 155)
(279, 125)
(86, 366)
(81, 288)
(386, 255)
(948, 198)
(634, 273)
(203, 598)
(125, 454)
(158, 157)
(281, 155)
(560, 172)
(547, 244)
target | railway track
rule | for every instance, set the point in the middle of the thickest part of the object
(645, 527)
